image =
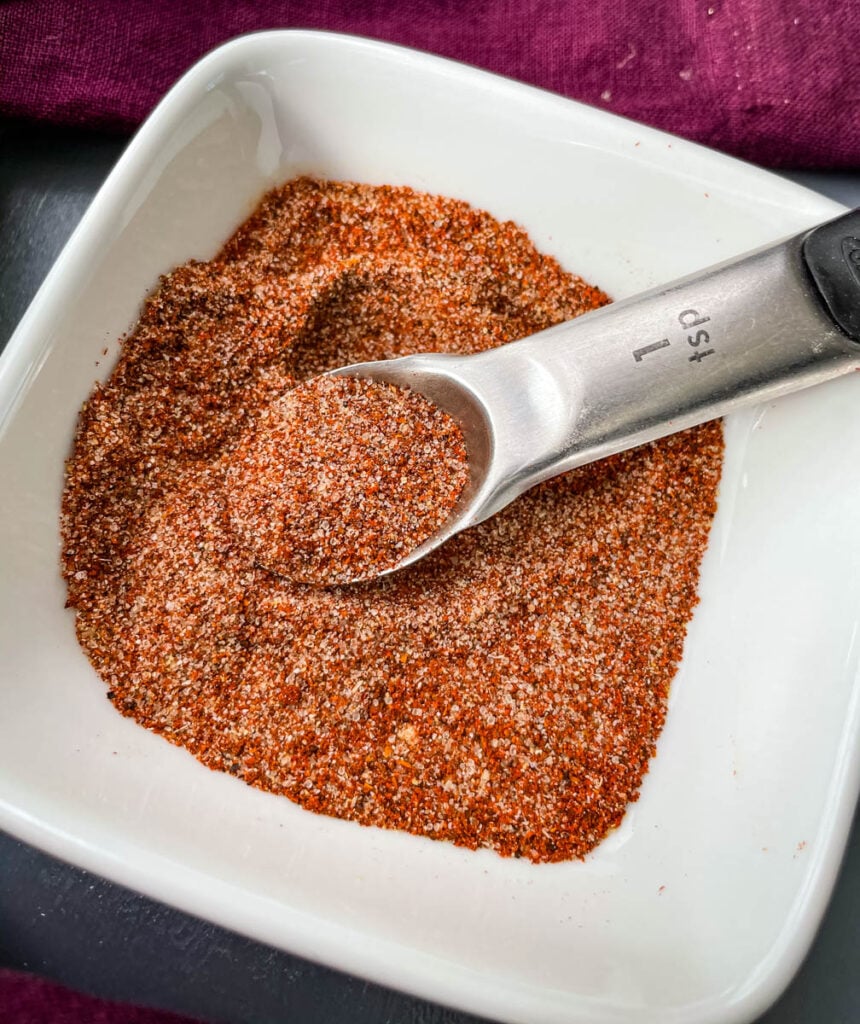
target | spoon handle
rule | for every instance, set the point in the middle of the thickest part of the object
(773, 321)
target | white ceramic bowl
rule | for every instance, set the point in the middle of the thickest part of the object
(702, 905)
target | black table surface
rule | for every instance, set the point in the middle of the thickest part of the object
(73, 927)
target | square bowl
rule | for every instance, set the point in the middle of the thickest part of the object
(701, 906)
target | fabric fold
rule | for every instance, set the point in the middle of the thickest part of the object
(773, 81)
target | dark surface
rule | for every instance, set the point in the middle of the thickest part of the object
(73, 927)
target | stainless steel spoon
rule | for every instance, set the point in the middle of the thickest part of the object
(772, 321)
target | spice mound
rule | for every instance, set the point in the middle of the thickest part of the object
(342, 478)
(506, 692)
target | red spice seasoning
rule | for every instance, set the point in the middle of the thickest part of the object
(505, 692)
(343, 478)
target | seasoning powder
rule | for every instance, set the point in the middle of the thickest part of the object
(343, 478)
(507, 691)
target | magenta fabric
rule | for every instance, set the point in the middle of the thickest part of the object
(775, 81)
(25, 999)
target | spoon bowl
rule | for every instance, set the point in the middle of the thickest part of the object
(445, 381)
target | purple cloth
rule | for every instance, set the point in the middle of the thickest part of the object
(775, 81)
(28, 1000)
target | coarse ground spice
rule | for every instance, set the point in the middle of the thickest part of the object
(505, 692)
(342, 478)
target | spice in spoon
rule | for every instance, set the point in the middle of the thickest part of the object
(342, 478)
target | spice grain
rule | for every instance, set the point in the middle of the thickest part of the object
(507, 691)
(342, 478)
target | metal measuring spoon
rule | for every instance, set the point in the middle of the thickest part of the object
(772, 321)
